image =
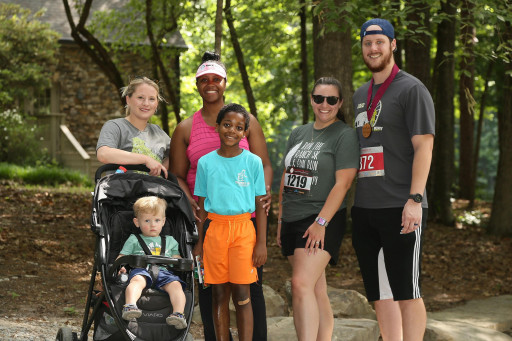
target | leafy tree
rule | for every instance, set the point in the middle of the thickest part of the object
(128, 29)
(240, 58)
(332, 41)
(91, 45)
(28, 51)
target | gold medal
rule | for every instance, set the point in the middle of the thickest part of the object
(367, 130)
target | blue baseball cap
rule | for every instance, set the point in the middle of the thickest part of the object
(386, 28)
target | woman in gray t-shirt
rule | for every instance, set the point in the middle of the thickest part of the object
(132, 140)
(320, 164)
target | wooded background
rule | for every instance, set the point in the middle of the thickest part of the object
(461, 50)
(274, 50)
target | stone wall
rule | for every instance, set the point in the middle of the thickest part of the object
(86, 96)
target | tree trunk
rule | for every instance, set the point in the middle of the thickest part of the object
(304, 62)
(442, 166)
(218, 27)
(240, 58)
(400, 41)
(501, 215)
(337, 62)
(157, 60)
(93, 46)
(417, 46)
(467, 103)
(483, 102)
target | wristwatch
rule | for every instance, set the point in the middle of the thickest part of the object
(416, 197)
(321, 221)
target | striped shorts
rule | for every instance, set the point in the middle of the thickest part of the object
(390, 262)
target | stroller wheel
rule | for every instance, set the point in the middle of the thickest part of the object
(65, 334)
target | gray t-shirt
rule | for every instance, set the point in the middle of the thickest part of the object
(121, 134)
(405, 110)
(311, 161)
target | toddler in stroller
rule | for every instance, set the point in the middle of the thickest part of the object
(150, 218)
(112, 221)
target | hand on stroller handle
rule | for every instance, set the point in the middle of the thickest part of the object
(112, 167)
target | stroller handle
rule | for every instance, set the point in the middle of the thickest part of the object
(136, 261)
(113, 166)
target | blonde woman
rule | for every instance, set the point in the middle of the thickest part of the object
(132, 140)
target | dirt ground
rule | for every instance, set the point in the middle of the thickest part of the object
(46, 256)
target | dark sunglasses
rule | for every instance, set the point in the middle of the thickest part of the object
(331, 100)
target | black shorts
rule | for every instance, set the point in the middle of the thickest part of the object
(390, 262)
(292, 232)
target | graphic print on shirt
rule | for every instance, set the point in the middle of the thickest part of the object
(139, 147)
(301, 164)
(362, 117)
(242, 179)
(154, 248)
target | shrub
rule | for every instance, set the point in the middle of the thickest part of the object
(19, 143)
(43, 175)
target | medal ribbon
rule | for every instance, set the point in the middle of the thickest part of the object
(380, 92)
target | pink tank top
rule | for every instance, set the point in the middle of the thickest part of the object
(203, 139)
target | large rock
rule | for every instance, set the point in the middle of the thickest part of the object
(493, 313)
(344, 303)
(275, 304)
(282, 328)
(349, 303)
(456, 331)
(355, 330)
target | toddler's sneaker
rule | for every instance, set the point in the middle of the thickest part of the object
(130, 311)
(177, 320)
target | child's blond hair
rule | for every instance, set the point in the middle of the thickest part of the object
(149, 205)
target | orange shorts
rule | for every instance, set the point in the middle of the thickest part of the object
(227, 249)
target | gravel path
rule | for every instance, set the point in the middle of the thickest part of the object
(43, 329)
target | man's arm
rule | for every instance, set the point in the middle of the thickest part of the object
(412, 213)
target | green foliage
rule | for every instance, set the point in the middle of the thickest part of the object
(48, 175)
(19, 143)
(27, 53)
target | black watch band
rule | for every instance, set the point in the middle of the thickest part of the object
(416, 197)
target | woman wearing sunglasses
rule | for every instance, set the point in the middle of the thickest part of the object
(195, 137)
(320, 164)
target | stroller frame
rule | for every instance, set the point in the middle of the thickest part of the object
(108, 268)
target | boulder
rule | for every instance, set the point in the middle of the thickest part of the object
(282, 328)
(493, 313)
(456, 331)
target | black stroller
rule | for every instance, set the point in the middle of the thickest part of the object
(112, 222)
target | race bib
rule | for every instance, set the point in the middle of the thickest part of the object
(371, 162)
(297, 180)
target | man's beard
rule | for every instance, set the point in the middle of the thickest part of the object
(378, 68)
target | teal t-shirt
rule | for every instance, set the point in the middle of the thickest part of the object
(132, 246)
(230, 185)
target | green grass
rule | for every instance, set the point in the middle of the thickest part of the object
(44, 176)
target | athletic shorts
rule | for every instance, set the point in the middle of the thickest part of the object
(390, 262)
(227, 249)
(292, 232)
(164, 277)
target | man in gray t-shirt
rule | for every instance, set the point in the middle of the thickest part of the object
(395, 123)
